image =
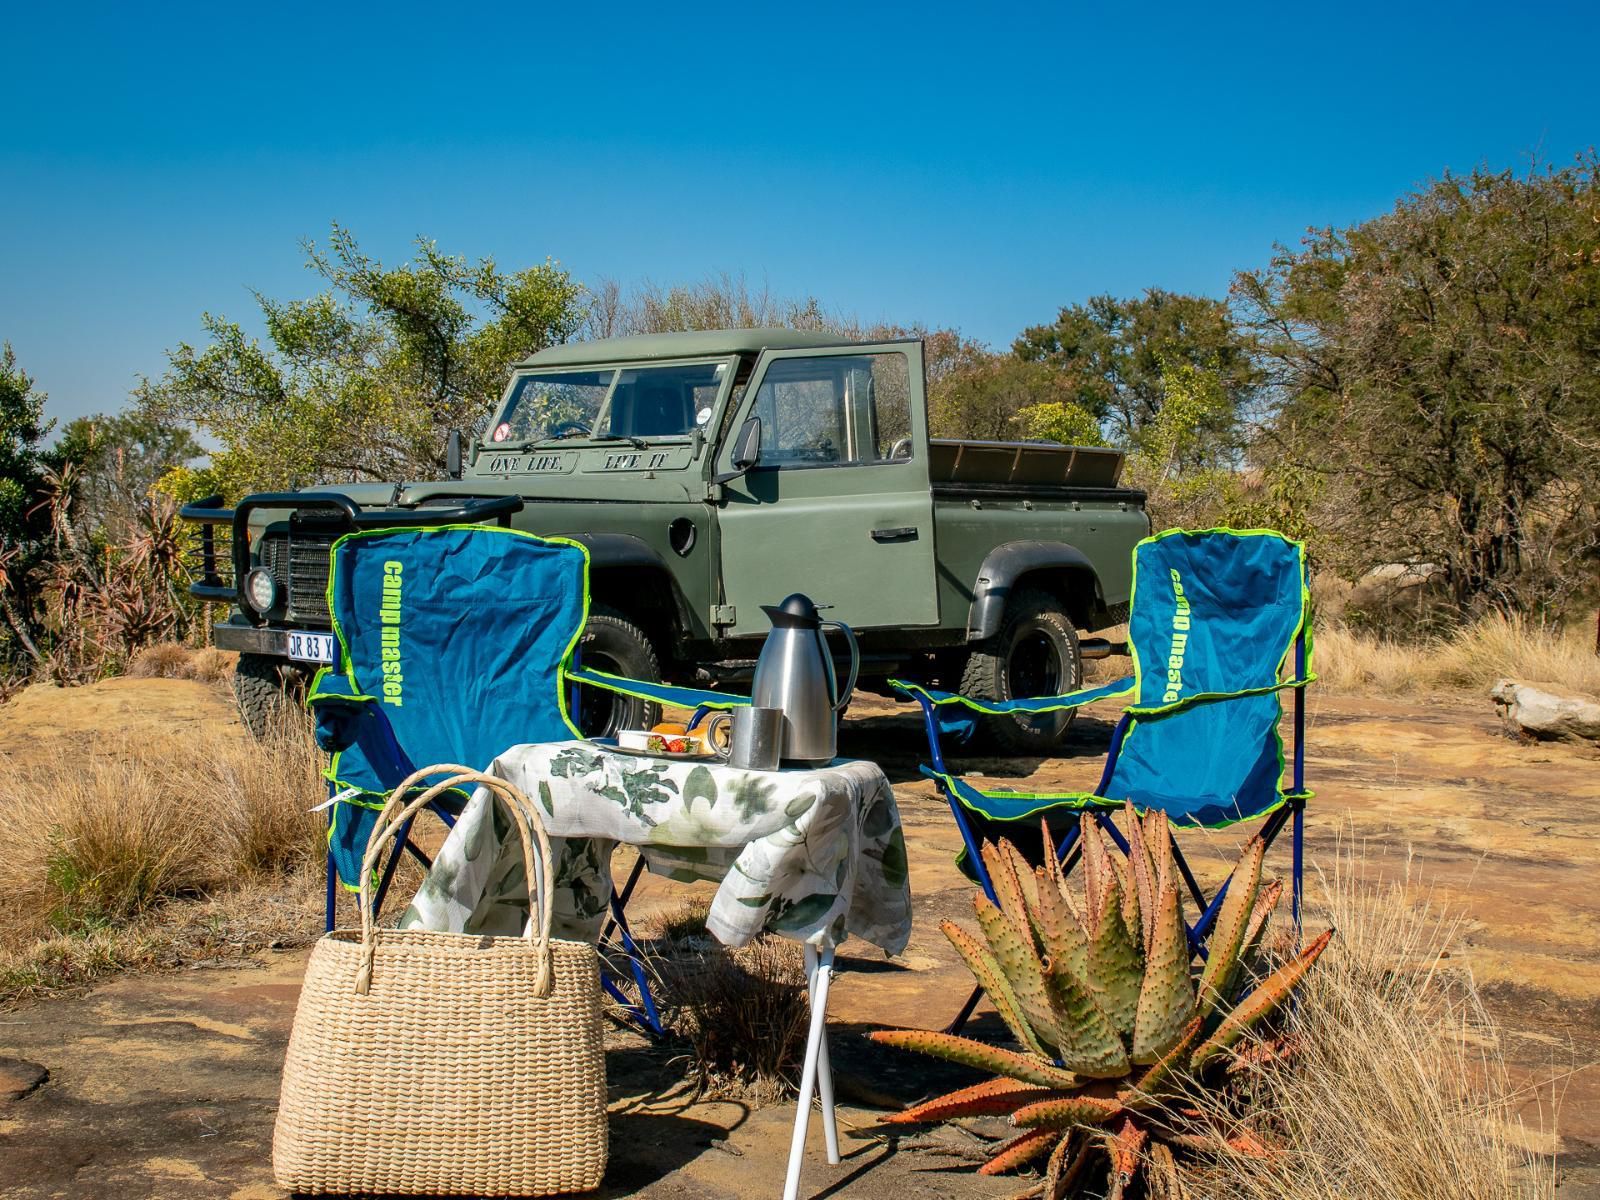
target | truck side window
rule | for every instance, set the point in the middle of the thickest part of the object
(845, 410)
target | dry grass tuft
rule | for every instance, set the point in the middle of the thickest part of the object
(1400, 1087)
(210, 665)
(170, 660)
(743, 1011)
(1472, 658)
(109, 843)
(164, 660)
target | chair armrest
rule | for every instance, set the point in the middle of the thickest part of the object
(660, 693)
(1031, 705)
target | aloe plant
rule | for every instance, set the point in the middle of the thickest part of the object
(1114, 1026)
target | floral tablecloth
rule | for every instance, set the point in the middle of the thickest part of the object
(810, 854)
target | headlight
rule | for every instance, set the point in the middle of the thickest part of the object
(261, 589)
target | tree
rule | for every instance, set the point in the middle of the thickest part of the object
(1114, 354)
(120, 458)
(365, 379)
(22, 433)
(999, 397)
(23, 462)
(1438, 363)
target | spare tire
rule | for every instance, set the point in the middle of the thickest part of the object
(615, 645)
(1035, 653)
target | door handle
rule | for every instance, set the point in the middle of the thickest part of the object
(904, 533)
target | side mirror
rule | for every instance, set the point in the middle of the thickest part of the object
(452, 455)
(746, 451)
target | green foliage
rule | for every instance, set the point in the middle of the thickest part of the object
(120, 459)
(1116, 356)
(985, 397)
(22, 432)
(1435, 367)
(365, 379)
(1059, 421)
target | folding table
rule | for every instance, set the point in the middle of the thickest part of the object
(813, 855)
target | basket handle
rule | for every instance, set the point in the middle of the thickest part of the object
(529, 825)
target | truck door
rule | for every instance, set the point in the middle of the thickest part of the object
(838, 505)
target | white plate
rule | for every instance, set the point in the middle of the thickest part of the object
(310, 647)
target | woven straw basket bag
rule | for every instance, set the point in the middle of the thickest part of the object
(444, 1062)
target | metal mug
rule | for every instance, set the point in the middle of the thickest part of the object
(757, 738)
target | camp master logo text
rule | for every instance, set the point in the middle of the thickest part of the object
(1180, 641)
(389, 614)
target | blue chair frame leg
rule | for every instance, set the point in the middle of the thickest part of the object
(643, 1011)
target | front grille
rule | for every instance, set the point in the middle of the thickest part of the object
(308, 576)
(298, 563)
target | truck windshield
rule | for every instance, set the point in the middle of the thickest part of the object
(625, 402)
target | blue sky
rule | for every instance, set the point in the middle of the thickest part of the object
(975, 166)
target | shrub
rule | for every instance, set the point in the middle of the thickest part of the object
(164, 660)
(743, 1011)
(105, 835)
(1472, 657)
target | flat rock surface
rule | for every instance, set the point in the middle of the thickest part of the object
(166, 1085)
(19, 1077)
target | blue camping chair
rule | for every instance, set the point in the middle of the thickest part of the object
(454, 643)
(1219, 627)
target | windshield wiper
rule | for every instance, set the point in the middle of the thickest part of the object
(637, 443)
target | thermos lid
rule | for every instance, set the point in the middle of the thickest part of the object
(796, 610)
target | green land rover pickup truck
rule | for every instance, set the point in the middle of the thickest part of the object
(712, 473)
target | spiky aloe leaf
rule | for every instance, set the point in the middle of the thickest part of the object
(1064, 1112)
(993, 981)
(1166, 998)
(1147, 1089)
(1052, 866)
(1013, 951)
(1128, 893)
(1162, 1181)
(1066, 1166)
(1063, 938)
(1261, 1002)
(1113, 970)
(992, 1097)
(1090, 1044)
(1144, 876)
(1227, 935)
(1125, 1146)
(1096, 873)
(1158, 845)
(1020, 1151)
(979, 1055)
(1028, 886)
(1266, 902)
(1001, 867)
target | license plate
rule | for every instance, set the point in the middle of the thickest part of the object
(311, 647)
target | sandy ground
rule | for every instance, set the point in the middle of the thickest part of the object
(165, 1086)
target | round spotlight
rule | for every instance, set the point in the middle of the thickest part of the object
(261, 589)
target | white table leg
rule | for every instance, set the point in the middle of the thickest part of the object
(817, 976)
(830, 1126)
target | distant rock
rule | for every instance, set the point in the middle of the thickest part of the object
(1546, 712)
(18, 1077)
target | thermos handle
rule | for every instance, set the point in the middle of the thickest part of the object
(855, 663)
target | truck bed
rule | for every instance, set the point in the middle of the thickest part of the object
(1022, 465)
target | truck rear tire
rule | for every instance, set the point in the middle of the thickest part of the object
(266, 693)
(1034, 654)
(615, 645)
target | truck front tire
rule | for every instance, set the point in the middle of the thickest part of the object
(615, 645)
(1034, 654)
(266, 692)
